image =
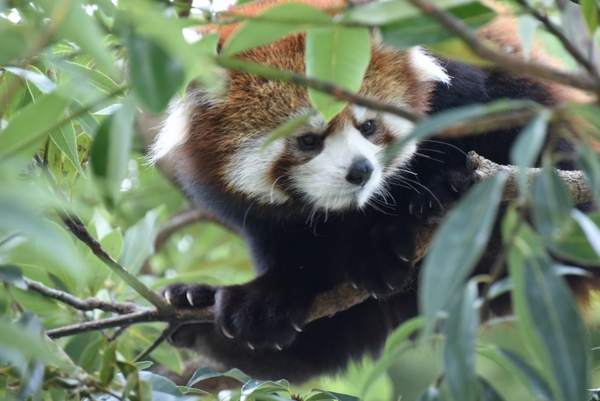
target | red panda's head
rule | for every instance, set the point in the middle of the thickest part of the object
(216, 138)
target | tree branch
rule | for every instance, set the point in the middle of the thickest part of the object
(327, 303)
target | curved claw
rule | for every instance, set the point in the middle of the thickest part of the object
(226, 333)
(278, 347)
(296, 327)
(168, 296)
(250, 346)
(190, 299)
(374, 296)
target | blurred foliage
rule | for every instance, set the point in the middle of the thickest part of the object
(73, 75)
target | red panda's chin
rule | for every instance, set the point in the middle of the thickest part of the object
(347, 198)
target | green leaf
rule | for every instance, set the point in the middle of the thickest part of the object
(517, 365)
(402, 333)
(139, 241)
(457, 246)
(286, 129)
(254, 388)
(273, 24)
(525, 151)
(162, 388)
(33, 380)
(488, 392)
(66, 140)
(590, 112)
(330, 395)
(421, 29)
(27, 130)
(154, 74)
(589, 162)
(15, 43)
(574, 245)
(111, 148)
(205, 373)
(551, 204)
(528, 25)
(147, 16)
(46, 239)
(108, 363)
(90, 356)
(589, 228)
(24, 340)
(438, 122)
(77, 26)
(12, 275)
(460, 330)
(87, 79)
(338, 55)
(589, 10)
(42, 82)
(555, 329)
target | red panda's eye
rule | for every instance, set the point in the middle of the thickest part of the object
(367, 128)
(309, 142)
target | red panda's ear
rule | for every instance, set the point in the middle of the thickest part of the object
(176, 127)
(428, 68)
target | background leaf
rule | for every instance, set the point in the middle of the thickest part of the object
(460, 330)
(338, 55)
(457, 246)
(154, 74)
(273, 24)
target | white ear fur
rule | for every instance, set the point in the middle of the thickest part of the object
(173, 132)
(427, 66)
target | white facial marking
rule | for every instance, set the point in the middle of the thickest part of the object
(427, 66)
(249, 171)
(399, 127)
(323, 178)
(173, 132)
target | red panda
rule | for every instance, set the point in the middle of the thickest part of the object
(323, 205)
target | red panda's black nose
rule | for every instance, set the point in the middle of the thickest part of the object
(360, 172)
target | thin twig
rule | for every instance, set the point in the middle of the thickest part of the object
(143, 315)
(503, 61)
(558, 33)
(163, 336)
(77, 227)
(78, 303)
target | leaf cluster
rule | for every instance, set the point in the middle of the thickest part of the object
(82, 214)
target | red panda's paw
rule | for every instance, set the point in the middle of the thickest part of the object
(439, 194)
(382, 261)
(267, 318)
(384, 280)
(182, 295)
